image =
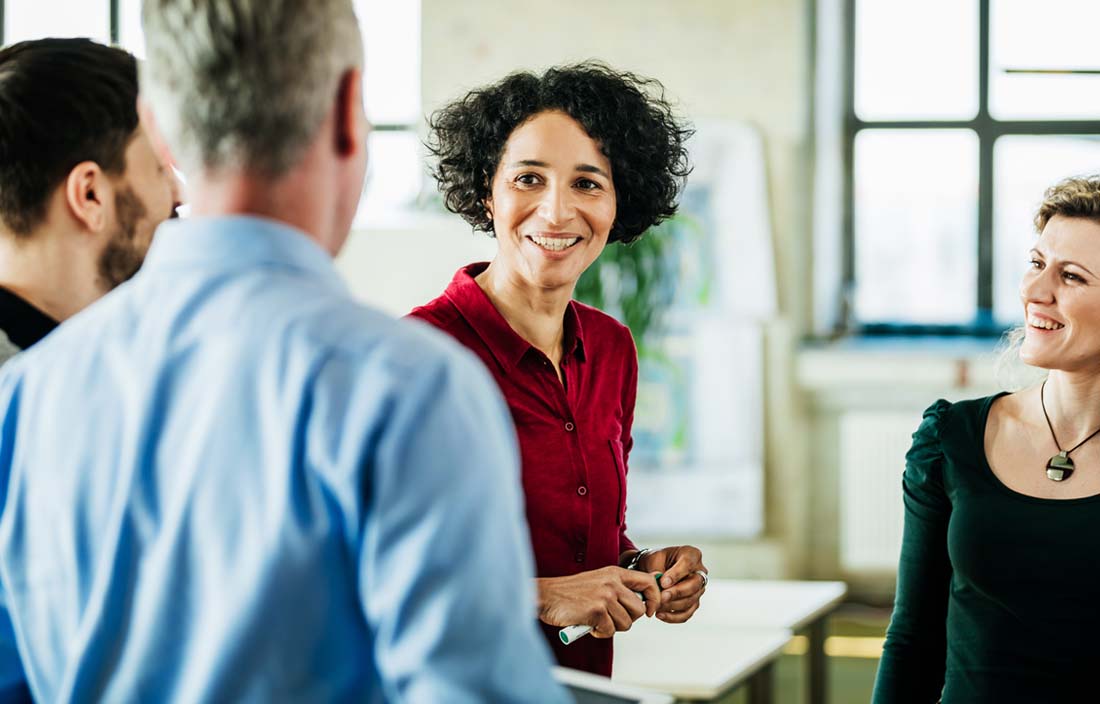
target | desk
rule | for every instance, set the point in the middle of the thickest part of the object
(695, 661)
(767, 604)
(586, 687)
(738, 632)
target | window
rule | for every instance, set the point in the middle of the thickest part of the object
(958, 114)
(391, 81)
(395, 171)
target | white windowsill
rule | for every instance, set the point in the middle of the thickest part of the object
(883, 370)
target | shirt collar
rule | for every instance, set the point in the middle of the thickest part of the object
(574, 334)
(226, 243)
(23, 324)
(505, 344)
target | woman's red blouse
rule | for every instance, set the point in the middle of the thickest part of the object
(574, 441)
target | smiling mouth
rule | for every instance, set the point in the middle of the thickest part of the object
(554, 244)
(1044, 324)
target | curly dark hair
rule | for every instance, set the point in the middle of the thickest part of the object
(625, 114)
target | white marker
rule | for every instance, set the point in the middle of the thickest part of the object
(570, 634)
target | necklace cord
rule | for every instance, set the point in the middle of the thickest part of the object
(1054, 437)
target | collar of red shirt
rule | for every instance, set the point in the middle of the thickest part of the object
(507, 347)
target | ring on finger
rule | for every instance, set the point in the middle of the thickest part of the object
(703, 576)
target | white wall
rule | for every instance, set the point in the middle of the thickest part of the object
(407, 264)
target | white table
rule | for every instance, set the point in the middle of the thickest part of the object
(584, 686)
(794, 605)
(762, 603)
(695, 661)
(738, 632)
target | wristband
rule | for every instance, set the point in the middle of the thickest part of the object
(632, 563)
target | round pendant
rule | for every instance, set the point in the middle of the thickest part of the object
(1059, 467)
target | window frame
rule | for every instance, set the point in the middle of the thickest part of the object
(114, 9)
(988, 130)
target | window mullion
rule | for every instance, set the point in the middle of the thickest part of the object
(986, 138)
(848, 261)
(115, 22)
(985, 226)
(979, 252)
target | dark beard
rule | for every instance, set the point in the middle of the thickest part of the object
(123, 255)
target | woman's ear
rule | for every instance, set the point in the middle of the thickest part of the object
(87, 192)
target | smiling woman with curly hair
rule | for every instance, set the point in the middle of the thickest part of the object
(556, 166)
(637, 133)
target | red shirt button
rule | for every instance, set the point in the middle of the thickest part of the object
(569, 427)
(579, 557)
(582, 490)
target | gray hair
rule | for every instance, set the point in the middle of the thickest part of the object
(245, 84)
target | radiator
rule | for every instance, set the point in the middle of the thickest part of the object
(872, 451)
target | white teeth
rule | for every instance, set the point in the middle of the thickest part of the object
(555, 244)
(1044, 324)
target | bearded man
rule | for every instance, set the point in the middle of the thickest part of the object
(81, 186)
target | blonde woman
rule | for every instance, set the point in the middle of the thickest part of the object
(998, 582)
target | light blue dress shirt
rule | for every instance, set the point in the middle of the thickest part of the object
(227, 481)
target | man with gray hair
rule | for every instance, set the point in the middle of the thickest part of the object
(266, 492)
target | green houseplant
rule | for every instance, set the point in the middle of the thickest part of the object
(637, 283)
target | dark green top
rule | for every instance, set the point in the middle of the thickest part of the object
(998, 595)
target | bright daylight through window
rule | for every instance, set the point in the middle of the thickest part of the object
(391, 84)
(960, 113)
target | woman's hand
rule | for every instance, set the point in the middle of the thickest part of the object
(681, 584)
(604, 599)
